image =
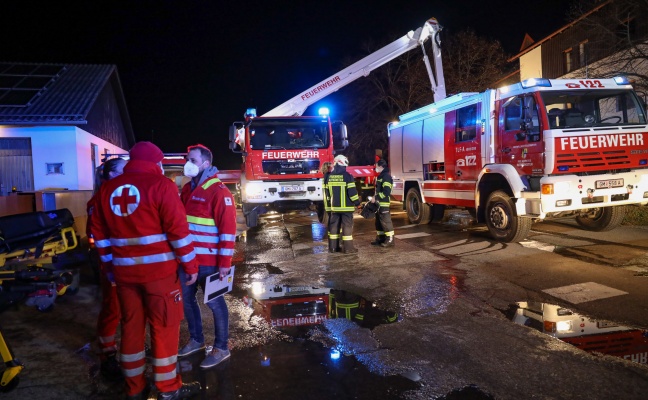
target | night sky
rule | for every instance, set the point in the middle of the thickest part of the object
(190, 68)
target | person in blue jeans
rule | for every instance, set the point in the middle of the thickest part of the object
(211, 214)
(194, 318)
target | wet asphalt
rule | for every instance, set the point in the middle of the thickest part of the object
(452, 338)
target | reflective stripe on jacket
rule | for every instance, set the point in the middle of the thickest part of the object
(211, 213)
(140, 226)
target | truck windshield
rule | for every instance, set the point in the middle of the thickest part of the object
(579, 108)
(288, 134)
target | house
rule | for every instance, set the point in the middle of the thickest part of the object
(56, 121)
(610, 39)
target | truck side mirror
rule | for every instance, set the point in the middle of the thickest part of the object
(340, 141)
(235, 145)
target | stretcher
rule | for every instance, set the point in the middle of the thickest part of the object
(29, 244)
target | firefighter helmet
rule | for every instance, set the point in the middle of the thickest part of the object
(341, 160)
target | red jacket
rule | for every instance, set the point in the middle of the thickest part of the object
(140, 226)
(211, 213)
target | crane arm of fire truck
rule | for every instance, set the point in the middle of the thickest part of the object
(298, 104)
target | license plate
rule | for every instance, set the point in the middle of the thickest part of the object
(292, 188)
(609, 183)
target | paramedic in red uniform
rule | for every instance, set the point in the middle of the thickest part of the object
(141, 232)
(110, 314)
(211, 213)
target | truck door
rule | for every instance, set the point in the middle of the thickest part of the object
(519, 135)
(463, 141)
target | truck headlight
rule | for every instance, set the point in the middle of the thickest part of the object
(253, 189)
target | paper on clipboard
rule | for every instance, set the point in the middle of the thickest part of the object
(215, 287)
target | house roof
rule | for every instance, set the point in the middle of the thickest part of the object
(528, 46)
(62, 94)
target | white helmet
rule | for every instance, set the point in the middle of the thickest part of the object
(341, 160)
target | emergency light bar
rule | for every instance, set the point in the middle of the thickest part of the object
(323, 111)
(250, 112)
(535, 82)
(621, 80)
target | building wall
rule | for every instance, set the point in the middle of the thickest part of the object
(68, 145)
(531, 64)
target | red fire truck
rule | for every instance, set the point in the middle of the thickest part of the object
(583, 332)
(530, 151)
(283, 150)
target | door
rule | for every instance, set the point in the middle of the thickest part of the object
(519, 135)
(16, 164)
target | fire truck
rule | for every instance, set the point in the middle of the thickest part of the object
(534, 150)
(584, 332)
(283, 150)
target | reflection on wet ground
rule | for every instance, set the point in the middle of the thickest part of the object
(582, 331)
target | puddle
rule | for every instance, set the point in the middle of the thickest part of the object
(586, 333)
(290, 306)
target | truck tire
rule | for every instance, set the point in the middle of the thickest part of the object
(603, 219)
(503, 223)
(417, 211)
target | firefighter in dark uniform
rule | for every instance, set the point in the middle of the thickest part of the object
(343, 198)
(384, 226)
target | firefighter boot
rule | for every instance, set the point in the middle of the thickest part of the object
(389, 242)
(186, 391)
(347, 247)
(380, 239)
(333, 245)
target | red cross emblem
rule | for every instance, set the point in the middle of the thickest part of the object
(124, 200)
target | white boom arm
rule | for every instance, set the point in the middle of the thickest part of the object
(298, 104)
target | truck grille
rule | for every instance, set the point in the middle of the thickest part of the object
(592, 160)
(284, 167)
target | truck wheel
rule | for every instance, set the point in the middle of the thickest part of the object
(503, 223)
(417, 211)
(603, 219)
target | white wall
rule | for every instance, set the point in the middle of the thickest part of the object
(61, 144)
(531, 64)
(84, 156)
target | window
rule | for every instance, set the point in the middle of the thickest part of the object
(466, 123)
(582, 55)
(54, 168)
(568, 60)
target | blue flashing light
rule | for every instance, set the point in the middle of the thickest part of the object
(643, 162)
(621, 80)
(335, 354)
(323, 111)
(563, 168)
(250, 112)
(535, 82)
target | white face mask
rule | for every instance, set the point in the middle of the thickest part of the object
(379, 169)
(191, 170)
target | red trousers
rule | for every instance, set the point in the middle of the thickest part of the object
(109, 316)
(160, 304)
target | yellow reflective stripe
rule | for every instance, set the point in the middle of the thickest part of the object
(201, 221)
(350, 237)
(210, 182)
(390, 233)
(388, 184)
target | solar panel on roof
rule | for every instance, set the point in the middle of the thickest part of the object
(23, 82)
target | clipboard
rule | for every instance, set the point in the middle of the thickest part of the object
(215, 287)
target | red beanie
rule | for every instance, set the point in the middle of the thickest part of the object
(146, 151)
